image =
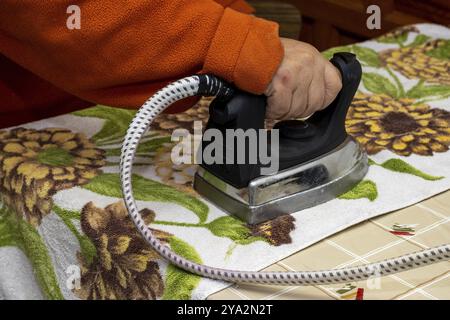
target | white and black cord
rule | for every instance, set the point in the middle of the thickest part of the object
(207, 85)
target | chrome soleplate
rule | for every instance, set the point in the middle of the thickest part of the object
(290, 190)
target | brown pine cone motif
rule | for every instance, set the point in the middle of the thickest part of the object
(125, 266)
(179, 176)
(166, 123)
(276, 231)
(35, 164)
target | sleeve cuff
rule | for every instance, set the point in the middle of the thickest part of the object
(245, 51)
(238, 5)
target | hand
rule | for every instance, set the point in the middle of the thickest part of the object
(304, 83)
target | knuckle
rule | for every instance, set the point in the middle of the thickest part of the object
(299, 109)
(277, 105)
(316, 103)
(336, 84)
(285, 77)
(307, 57)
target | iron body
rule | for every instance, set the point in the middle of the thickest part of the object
(290, 190)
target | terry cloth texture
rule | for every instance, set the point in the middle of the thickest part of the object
(123, 53)
(64, 232)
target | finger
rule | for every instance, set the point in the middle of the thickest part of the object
(279, 103)
(299, 102)
(333, 83)
(300, 96)
(316, 93)
(270, 90)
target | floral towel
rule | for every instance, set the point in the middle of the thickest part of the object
(65, 234)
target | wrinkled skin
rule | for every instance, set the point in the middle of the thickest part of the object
(304, 83)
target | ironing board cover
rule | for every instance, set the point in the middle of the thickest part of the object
(65, 234)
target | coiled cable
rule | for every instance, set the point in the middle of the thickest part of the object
(207, 85)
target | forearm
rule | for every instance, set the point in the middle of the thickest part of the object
(122, 53)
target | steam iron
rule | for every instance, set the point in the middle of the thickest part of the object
(316, 158)
(318, 161)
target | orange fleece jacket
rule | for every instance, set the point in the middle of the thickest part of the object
(125, 51)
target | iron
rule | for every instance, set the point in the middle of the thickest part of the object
(318, 160)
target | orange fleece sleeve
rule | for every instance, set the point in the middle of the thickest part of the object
(239, 5)
(125, 52)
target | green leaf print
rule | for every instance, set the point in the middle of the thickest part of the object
(419, 40)
(379, 84)
(145, 148)
(152, 144)
(400, 37)
(420, 91)
(367, 56)
(441, 52)
(179, 283)
(15, 231)
(144, 189)
(398, 165)
(393, 38)
(116, 123)
(233, 229)
(87, 248)
(364, 189)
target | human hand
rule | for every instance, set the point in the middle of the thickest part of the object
(304, 83)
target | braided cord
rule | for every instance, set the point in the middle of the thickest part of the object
(209, 85)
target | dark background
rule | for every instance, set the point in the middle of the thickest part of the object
(330, 23)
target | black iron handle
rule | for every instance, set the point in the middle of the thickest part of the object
(331, 120)
(245, 110)
(300, 141)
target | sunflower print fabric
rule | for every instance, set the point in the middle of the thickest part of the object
(380, 122)
(62, 211)
(420, 62)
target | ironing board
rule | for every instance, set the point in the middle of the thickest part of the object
(65, 234)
